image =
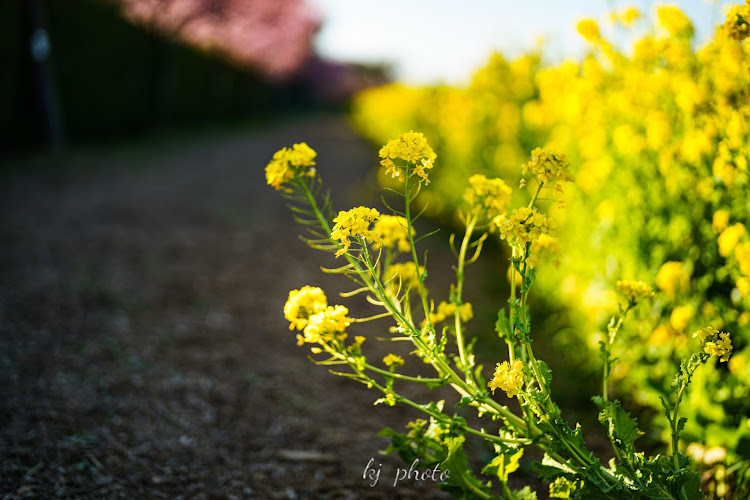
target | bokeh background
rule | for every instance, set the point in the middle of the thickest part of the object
(145, 262)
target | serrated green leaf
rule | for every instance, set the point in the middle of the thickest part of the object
(546, 374)
(692, 487)
(503, 465)
(667, 411)
(550, 469)
(461, 476)
(621, 428)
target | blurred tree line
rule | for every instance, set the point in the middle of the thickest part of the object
(79, 72)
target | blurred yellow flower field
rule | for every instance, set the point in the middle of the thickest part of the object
(657, 133)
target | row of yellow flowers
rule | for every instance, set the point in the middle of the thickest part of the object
(658, 134)
(370, 242)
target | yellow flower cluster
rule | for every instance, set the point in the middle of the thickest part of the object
(447, 310)
(729, 238)
(588, 29)
(715, 343)
(524, 225)
(545, 244)
(490, 196)
(673, 277)
(720, 347)
(508, 377)
(287, 163)
(720, 221)
(635, 291)
(674, 21)
(302, 304)
(548, 166)
(627, 16)
(393, 360)
(742, 254)
(641, 121)
(354, 223)
(681, 316)
(403, 275)
(411, 147)
(391, 231)
(326, 325)
(737, 25)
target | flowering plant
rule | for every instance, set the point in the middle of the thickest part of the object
(381, 257)
(656, 127)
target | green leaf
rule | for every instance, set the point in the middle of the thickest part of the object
(461, 476)
(667, 411)
(621, 428)
(692, 487)
(550, 469)
(503, 465)
(528, 280)
(681, 425)
(502, 325)
(524, 494)
(546, 375)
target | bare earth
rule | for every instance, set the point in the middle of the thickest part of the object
(143, 352)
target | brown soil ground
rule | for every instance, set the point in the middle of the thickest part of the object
(143, 351)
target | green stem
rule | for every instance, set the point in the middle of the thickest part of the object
(612, 329)
(458, 301)
(489, 404)
(512, 312)
(675, 439)
(399, 376)
(536, 195)
(420, 278)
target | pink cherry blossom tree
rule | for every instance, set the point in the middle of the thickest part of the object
(273, 36)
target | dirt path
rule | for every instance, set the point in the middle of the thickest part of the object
(143, 351)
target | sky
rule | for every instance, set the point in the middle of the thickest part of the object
(431, 41)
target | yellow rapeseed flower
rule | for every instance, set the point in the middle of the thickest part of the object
(393, 360)
(661, 335)
(391, 230)
(403, 274)
(720, 220)
(629, 15)
(743, 286)
(681, 316)
(742, 254)
(720, 347)
(354, 223)
(327, 324)
(673, 277)
(411, 147)
(715, 343)
(524, 225)
(447, 310)
(287, 163)
(302, 304)
(490, 196)
(672, 19)
(729, 238)
(545, 244)
(548, 166)
(737, 25)
(706, 333)
(508, 377)
(588, 29)
(635, 291)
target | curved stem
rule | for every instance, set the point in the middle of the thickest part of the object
(471, 222)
